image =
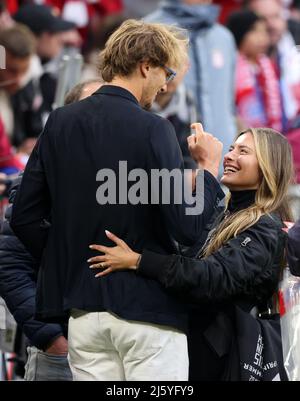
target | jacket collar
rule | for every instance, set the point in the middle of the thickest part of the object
(241, 199)
(113, 90)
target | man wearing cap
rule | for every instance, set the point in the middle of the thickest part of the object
(47, 28)
(19, 44)
(49, 31)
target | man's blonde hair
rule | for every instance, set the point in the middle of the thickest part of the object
(137, 41)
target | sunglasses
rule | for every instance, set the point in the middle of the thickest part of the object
(171, 74)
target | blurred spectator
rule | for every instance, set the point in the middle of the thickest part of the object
(87, 15)
(139, 8)
(227, 7)
(3, 178)
(212, 63)
(12, 5)
(286, 4)
(293, 249)
(34, 101)
(295, 10)
(257, 89)
(294, 140)
(178, 106)
(19, 44)
(109, 25)
(48, 31)
(9, 162)
(286, 59)
(288, 13)
(294, 21)
(60, 6)
(5, 19)
(83, 90)
(69, 8)
(284, 55)
(48, 345)
(96, 43)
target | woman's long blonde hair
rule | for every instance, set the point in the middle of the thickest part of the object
(276, 167)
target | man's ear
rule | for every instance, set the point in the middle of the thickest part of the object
(144, 69)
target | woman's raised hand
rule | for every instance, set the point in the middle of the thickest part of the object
(120, 257)
(205, 149)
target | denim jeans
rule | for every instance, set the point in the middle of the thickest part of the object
(41, 366)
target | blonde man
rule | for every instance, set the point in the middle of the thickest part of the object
(123, 328)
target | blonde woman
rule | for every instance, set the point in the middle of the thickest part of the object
(242, 259)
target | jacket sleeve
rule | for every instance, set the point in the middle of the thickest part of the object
(185, 219)
(293, 253)
(32, 201)
(18, 289)
(234, 270)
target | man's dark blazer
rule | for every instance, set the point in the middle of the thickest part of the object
(60, 181)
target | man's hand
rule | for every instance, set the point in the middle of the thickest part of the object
(205, 149)
(58, 347)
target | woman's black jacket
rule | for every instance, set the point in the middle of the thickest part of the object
(246, 268)
(242, 274)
